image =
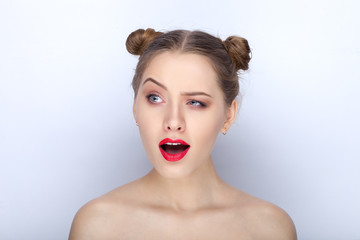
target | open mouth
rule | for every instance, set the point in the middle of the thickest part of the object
(173, 150)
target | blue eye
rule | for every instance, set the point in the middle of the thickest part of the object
(154, 98)
(196, 103)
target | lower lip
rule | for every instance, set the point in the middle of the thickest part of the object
(173, 157)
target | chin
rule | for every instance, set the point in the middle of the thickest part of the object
(176, 170)
(171, 170)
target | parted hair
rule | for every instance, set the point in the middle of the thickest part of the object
(227, 57)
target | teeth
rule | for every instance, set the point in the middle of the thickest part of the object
(173, 144)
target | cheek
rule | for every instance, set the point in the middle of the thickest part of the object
(207, 128)
(145, 115)
(149, 123)
(208, 122)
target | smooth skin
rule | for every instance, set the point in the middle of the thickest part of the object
(179, 98)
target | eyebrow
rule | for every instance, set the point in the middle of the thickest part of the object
(154, 81)
(183, 93)
(195, 94)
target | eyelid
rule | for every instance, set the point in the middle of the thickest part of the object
(202, 104)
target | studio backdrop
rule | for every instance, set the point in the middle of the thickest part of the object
(67, 133)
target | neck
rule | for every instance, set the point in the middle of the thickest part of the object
(197, 190)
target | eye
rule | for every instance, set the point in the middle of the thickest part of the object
(153, 98)
(196, 103)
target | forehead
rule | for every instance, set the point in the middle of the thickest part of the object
(185, 69)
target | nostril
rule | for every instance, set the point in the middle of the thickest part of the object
(179, 128)
(174, 127)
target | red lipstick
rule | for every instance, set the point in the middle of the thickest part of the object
(173, 149)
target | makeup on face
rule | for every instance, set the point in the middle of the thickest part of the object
(193, 97)
(173, 149)
(180, 108)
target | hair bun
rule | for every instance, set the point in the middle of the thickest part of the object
(239, 51)
(139, 40)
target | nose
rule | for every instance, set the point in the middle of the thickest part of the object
(174, 120)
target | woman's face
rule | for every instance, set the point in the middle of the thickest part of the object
(180, 111)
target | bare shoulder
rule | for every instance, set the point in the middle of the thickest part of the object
(264, 219)
(95, 219)
(86, 223)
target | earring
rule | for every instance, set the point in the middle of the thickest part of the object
(224, 132)
(137, 124)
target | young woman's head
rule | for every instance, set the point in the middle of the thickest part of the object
(226, 57)
(185, 87)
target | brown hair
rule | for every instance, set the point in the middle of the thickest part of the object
(227, 57)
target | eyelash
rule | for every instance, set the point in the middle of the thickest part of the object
(200, 104)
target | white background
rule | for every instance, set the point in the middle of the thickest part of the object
(66, 129)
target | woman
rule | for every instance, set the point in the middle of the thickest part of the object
(185, 88)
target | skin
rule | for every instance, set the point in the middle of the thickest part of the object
(184, 199)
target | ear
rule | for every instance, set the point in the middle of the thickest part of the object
(230, 116)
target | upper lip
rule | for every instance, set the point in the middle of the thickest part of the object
(168, 140)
